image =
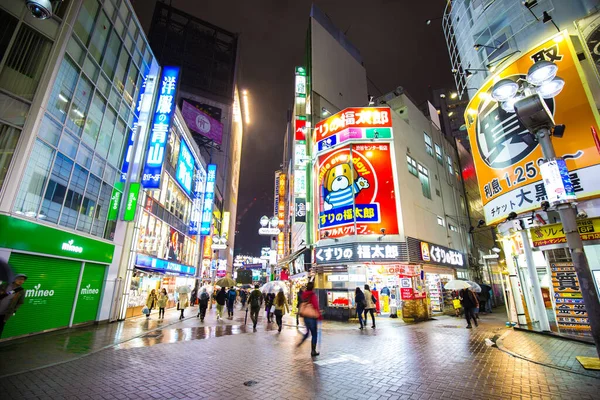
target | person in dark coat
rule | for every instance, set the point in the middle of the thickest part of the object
(231, 298)
(203, 301)
(269, 299)
(361, 302)
(12, 296)
(469, 302)
(221, 299)
(299, 300)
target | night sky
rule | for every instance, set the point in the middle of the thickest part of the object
(397, 47)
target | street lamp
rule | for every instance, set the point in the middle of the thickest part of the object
(531, 110)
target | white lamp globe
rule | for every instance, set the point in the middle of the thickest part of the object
(509, 105)
(504, 89)
(550, 89)
(541, 72)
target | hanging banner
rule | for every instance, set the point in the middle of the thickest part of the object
(209, 197)
(356, 188)
(571, 314)
(507, 162)
(185, 167)
(202, 123)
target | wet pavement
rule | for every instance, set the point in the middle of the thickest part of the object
(434, 359)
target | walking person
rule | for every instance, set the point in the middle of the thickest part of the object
(221, 299)
(203, 304)
(281, 307)
(298, 301)
(255, 301)
(193, 297)
(151, 301)
(311, 314)
(12, 297)
(270, 297)
(183, 300)
(359, 300)
(469, 302)
(370, 306)
(231, 297)
(243, 297)
(163, 299)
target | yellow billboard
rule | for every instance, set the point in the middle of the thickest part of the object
(506, 160)
(589, 229)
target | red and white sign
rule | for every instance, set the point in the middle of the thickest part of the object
(355, 117)
(300, 129)
(406, 287)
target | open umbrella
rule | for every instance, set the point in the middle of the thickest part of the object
(474, 286)
(225, 282)
(456, 285)
(209, 289)
(6, 273)
(273, 287)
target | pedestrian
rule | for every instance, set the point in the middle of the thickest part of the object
(183, 301)
(370, 306)
(488, 305)
(163, 299)
(456, 303)
(151, 302)
(255, 301)
(221, 299)
(469, 303)
(243, 297)
(281, 307)
(268, 304)
(193, 297)
(360, 301)
(231, 297)
(298, 301)
(12, 297)
(203, 304)
(311, 314)
(483, 298)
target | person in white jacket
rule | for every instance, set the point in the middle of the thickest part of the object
(370, 305)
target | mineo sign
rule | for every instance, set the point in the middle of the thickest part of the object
(37, 291)
(89, 290)
(71, 248)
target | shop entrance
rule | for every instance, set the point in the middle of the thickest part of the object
(435, 279)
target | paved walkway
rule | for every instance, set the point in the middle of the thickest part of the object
(435, 359)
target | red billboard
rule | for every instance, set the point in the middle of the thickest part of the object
(356, 191)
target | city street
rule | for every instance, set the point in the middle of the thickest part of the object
(435, 359)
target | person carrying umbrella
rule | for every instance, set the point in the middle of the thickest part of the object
(243, 297)
(221, 299)
(255, 302)
(12, 296)
(203, 304)
(469, 302)
(269, 299)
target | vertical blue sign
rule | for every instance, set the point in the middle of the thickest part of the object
(196, 214)
(209, 196)
(185, 167)
(161, 122)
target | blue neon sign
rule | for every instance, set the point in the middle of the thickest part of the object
(145, 261)
(161, 122)
(196, 214)
(209, 197)
(185, 167)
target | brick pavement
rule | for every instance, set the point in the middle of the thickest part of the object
(431, 360)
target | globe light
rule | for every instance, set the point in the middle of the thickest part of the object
(509, 105)
(504, 89)
(550, 89)
(541, 72)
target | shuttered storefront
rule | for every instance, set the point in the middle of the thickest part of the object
(49, 293)
(90, 292)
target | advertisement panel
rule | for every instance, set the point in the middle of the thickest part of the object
(161, 122)
(507, 161)
(356, 191)
(571, 314)
(209, 197)
(202, 123)
(90, 291)
(547, 235)
(131, 201)
(185, 167)
(196, 212)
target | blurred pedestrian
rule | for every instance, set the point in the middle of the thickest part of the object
(231, 298)
(163, 299)
(311, 314)
(469, 302)
(456, 303)
(255, 301)
(184, 300)
(221, 300)
(193, 298)
(360, 302)
(12, 296)
(151, 301)
(203, 301)
(370, 306)
(281, 307)
(243, 297)
(269, 298)
(298, 301)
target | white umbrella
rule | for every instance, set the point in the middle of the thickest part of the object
(209, 289)
(183, 289)
(476, 288)
(274, 287)
(457, 285)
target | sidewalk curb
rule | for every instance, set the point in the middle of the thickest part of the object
(502, 348)
(555, 335)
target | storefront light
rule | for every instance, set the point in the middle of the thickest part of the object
(541, 72)
(504, 90)
(509, 105)
(550, 89)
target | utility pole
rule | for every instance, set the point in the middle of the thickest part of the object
(568, 218)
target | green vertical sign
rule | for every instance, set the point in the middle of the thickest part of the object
(90, 291)
(131, 201)
(115, 202)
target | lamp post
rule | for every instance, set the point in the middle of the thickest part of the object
(526, 100)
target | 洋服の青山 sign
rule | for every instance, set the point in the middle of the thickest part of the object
(554, 234)
(202, 123)
(507, 163)
(436, 254)
(356, 189)
(356, 252)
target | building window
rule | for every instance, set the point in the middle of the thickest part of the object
(440, 221)
(438, 154)
(428, 145)
(85, 20)
(462, 205)
(424, 178)
(452, 227)
(449, 163)
(9, 137)
(412, 165)
(456, 171)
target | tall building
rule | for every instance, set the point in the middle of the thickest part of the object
(69, 86)
(507, 41)
(211, 105)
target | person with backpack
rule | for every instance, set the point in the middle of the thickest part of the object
(370, 305)
(231, 297)
(243, 297)
(359, 300)
(255, 302)
(203, 304)
(221, 299)
(469, 302)
(309, 309)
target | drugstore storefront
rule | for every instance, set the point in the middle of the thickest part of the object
(65, 275)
